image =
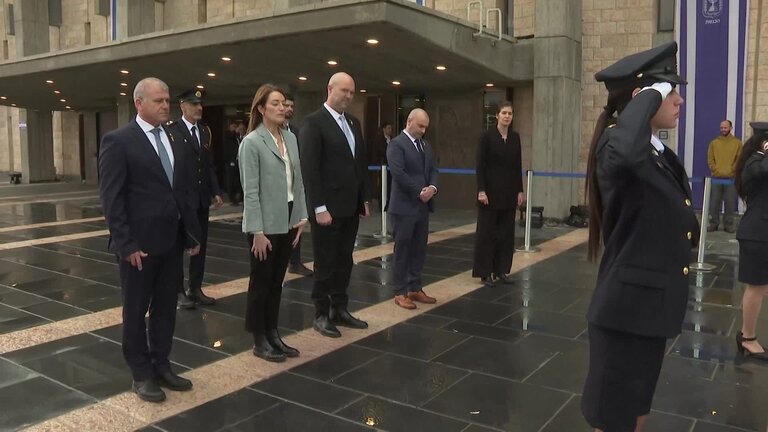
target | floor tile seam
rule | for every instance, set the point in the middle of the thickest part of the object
(50, 224)
(698, 420)
(359, 366)
(109, 258)
(465, 339)
(57, 272)
(37, 374)
(541, 366)
(443, 391)
(556, 413)
(47, 299)
(26, 312)
(52, 200)
(257, 413)
(352, 338)
(115, 321)
(46, 194)
(49, 321)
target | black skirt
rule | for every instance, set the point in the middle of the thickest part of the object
(753, 262)
(623, 371)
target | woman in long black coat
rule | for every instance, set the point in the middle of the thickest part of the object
(752, 185)
(499, 192)
(640, 210)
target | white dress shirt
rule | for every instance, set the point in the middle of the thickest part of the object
(189, 128)
(657, 144)
(288, 167)
(147, 128)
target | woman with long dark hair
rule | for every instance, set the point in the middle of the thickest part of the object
(274, 214)
(641, 216)
(752, 186)
(499, 192)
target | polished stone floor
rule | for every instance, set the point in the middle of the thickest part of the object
(508, 358)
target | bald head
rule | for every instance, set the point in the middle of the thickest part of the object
(341, 90)
(417, 123)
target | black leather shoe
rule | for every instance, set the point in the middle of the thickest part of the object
(185, 302)
(740, 339)
(488, 282)
(264, 350)
(325, 327)
(273, 337)
(171, 381)
(199, 296)
(343, 318)
(148, 391)
(300, 269)
(505, 279)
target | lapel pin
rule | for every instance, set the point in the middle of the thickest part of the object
(655, 153)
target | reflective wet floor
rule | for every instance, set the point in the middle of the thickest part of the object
(507, 358)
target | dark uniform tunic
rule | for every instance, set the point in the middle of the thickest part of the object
(753, 228)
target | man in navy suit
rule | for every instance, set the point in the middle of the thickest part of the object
(147, 203)
(414, 185)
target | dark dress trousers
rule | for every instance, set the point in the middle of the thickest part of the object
(500, 175)
(337, 179)
(204, 186)
(412, 170)
(753, 228)
(641, 295)
(145, 212)
(231, 169)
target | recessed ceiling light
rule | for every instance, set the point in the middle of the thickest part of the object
(49, 81)
(62, 100)
(211, 74)
(372, 41)
(200, 86)
(302, 78)
(123, 94)
(226, 59)
(68, 107)
(3, 97)
(396, 83)
(124, 72)
(333, 62)
(489, 85)
(363, 91)
(56, 92)
(13, 105)
(124, 84)
(441, 67)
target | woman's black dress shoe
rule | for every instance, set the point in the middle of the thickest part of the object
(740, 339)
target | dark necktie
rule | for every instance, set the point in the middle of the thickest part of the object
(194, 137)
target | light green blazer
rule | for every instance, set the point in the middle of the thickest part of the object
(265, 187)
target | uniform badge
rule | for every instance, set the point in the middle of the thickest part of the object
(198, 94)
(655, 153)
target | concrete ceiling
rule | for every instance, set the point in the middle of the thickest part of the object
(278, 49)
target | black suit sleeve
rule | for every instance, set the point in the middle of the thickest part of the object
(482, 153)
(311, 144)
(362, 162)
(113, 179)
(628, 143)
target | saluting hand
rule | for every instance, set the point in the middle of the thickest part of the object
(135, 259)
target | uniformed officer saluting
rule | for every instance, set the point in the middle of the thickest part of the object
(204, 188)
(640, 207)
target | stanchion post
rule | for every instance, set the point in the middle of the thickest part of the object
(528, 206)
(700, 265)
(383, 234)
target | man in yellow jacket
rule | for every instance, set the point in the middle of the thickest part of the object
(721, 156)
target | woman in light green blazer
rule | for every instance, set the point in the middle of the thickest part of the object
(274, 214)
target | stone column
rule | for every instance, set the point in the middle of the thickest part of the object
(36, 133)
(135, 17)
(90, 144)
(557, 104)
(125, 111)
(31, 22)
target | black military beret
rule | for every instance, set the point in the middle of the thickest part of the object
(193, 96)
(658, 64)
(759, 127)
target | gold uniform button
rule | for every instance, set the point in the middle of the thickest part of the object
(687, 202)
(685, 271)
(689, 235)
(201, 182)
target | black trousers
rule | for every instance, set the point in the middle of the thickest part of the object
(411, 234)
(146, 347)
(197, 262)
(266, 284)
(232, 179)
(494, 241)
(333, 246)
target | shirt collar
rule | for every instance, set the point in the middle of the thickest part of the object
(333, 112)
(189, 125)
(146, 127)
(413, 140)
(657, 144)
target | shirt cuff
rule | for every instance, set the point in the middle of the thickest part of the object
(434, 187)
(321, 209)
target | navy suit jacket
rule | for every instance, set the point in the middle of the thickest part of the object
(410, 174)
(143, 211)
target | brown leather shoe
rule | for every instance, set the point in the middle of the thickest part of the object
(421, 297)
(404, 302)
